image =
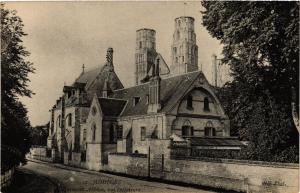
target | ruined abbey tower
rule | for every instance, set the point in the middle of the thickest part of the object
(184, 48)
(145, 53)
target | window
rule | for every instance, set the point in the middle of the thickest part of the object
(176, 59)
(84, 135)
(120, 132)
(143, 133)
(187, 130)
(94, 111)
(93, 132)
(58, 122)
(182, 58)
(206, 104)
(147, 99)
(140, 44)
(175, 50)
(209, 131)
(70, 119)
(136, 100)
(189, 102)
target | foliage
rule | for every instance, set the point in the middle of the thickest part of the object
(15, 133)
(39, 135)
(261, 45)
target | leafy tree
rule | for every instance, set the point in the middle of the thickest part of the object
(261, 45)
(15, 133)
(39, 135)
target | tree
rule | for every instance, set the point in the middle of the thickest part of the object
(39, 134)
(261, 45)
(15, 133)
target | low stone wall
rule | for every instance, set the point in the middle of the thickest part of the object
(128, 164)
(237, 175)
(75, 160)
(246, 176)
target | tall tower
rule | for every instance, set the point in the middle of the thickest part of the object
(184, 48)
(145, 53)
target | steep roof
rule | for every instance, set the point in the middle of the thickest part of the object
(111, 107)
(93, 82)
(172, 89)
(89, 76)
(94, 78)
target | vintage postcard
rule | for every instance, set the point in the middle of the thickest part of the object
(149, 96)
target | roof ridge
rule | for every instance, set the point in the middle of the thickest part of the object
(165, 78)
(111, 98)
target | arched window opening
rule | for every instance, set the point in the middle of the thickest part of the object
(206, 104)
(58, 122)
(209, 130)
(70, 119)
(178, 35)
(93, 132)
(189, 102)
(187, 129)
(84, 135)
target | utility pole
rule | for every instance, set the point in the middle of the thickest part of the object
(214, 63)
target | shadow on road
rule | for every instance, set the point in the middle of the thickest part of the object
(27, 182)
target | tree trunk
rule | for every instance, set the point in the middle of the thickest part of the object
(295, 109)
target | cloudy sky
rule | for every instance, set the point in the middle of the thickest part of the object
(64, 35)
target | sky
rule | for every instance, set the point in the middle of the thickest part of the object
(64, 35)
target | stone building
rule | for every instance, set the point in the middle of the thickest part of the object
(96, 115)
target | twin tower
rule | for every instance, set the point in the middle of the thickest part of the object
(184, 51)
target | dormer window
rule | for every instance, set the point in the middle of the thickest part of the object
(206, 104)
(136, 100)
(189, 102)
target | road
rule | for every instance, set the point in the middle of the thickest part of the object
(79, 181)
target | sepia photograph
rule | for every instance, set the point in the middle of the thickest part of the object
(149, 96)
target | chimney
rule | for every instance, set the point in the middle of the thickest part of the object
(154, 89)
(109, 56)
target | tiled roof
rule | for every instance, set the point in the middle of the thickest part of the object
(172, 89)
(111, 107)
(89, 76)
(201, 141)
